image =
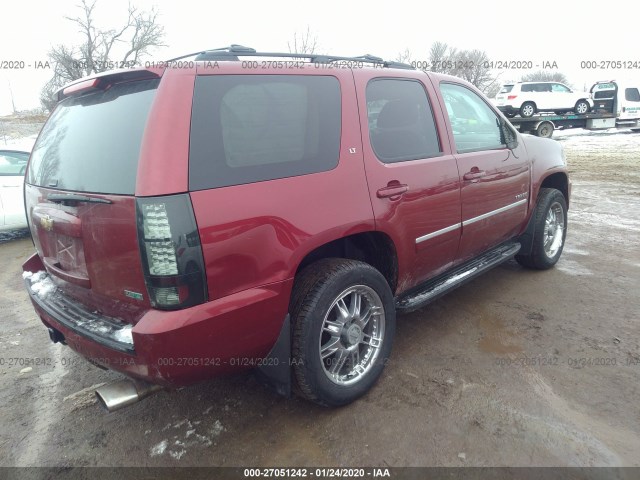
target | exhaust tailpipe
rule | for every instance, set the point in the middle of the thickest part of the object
(123, 393)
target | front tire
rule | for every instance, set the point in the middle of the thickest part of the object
(343, 322)
(545, 130)
(550, 231)
(582, 107)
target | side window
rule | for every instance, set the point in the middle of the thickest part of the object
(475, 126)
(631, 95)
(558, 88)
(251, 128)
(401, 124)
(530, 87)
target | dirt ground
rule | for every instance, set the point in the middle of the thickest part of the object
(516, 368)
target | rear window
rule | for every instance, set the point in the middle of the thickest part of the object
(251, 128)
(92, 143)
(506, 89)
(604, 94)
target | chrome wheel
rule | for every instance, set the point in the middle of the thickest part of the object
(554, 226)
(352, 335)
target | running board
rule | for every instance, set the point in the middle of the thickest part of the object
(427, 292)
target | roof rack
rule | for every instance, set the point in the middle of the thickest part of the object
(233, 52)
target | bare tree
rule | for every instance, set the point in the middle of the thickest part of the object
(492, 89)
(470, 65)
(404, 57)
(441, 57)
(304, 43)
(102, 49)
(544, 76)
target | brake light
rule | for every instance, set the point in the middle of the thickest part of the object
(511, 97)
(81, 87)
(171, 253)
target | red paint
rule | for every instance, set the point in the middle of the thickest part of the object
(255, 236)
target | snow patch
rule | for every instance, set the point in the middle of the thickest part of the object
(159, 449)
(178, 447)
(124, 335)
(42, 285)
(217, 428)
(177, 454)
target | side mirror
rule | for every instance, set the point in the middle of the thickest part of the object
(508, 135)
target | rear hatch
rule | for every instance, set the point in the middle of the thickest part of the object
(501, 97)
(80, 188)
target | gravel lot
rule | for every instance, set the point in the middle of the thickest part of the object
(516, 368)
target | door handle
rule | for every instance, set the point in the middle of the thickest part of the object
(393, 190)
(474, 174)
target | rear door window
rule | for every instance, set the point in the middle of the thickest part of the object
(401, 124)
(92, 143)
(251, 128)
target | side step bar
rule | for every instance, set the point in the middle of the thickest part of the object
(427, 292)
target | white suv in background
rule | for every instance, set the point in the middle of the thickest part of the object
(528, 98)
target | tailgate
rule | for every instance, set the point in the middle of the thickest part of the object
(79, 194)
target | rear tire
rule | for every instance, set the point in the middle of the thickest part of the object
(550, 217)
(527, 109)
(343, 322)
(510, 115)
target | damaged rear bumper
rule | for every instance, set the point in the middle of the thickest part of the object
(168, 348)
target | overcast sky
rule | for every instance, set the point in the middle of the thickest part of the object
(566, 32)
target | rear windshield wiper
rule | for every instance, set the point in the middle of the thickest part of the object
(67, 198)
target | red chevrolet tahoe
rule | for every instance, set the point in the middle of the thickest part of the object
(247, 209)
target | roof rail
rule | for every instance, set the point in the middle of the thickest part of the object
(233, 51)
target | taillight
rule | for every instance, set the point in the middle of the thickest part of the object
(171, 252)
(511, 97)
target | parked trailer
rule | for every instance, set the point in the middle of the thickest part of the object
(616, 105)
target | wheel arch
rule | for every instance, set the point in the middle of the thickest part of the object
(372, 247)
(556, 180)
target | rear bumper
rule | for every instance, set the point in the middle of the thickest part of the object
(172, 348)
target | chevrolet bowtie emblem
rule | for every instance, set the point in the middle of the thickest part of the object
(47, 223)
